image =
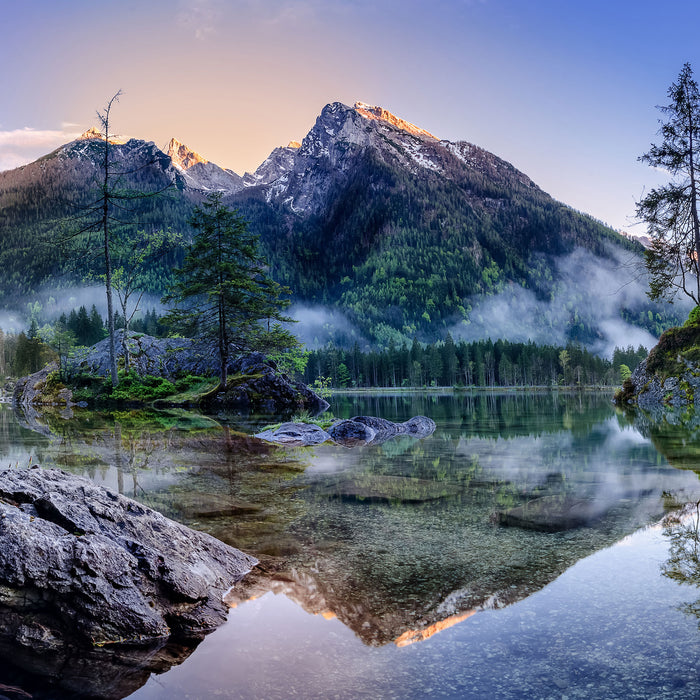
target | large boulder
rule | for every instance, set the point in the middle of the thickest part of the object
(81, 564)
(256, 386)
(351, 433)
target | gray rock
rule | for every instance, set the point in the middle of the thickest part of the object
(295, 434)
(162, 357)
(419, 426)
(358, 431)
(383, 428)
(350, 433)
(79, 563)
(650, 394)
(29, 390)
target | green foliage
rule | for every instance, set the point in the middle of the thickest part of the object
(223, 291)
(292, 361)
(323, 421)
(132, 387)
(481, 363)
(322, 386)
(693, 317)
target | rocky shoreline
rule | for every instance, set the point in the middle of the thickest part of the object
(669, 378)
(84, 569)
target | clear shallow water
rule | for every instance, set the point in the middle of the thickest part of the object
(389, 571)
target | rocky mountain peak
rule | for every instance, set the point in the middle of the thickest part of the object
(374, 112)
(94, 133)
(183, 157)
(91, 133)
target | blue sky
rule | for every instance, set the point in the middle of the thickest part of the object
(565, 91)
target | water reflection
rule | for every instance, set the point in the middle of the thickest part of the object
(683, 564)
(397, 541)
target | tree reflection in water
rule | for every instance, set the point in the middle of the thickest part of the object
(683, 565)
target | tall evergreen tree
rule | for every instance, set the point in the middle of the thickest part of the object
(671, 211)
(223, 291)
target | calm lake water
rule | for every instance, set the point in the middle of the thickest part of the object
(515, 553)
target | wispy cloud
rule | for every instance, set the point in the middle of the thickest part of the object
(199, 16)
(22, 146)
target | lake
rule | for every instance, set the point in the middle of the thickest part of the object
(515, 553)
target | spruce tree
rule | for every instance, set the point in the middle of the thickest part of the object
(671, 211)
(223, 292)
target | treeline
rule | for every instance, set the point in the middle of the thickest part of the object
(25, 353)
(483, 363)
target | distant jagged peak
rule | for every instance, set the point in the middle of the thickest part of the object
(183, 157)
(381, 114)
(93, 133)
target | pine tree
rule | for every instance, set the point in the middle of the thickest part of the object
(671, 211)
(223, 291)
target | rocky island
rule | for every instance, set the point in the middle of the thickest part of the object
(255, 385)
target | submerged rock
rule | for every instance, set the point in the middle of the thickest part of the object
(82, 565)
(358, 431)
(295, 434)
(552, 514)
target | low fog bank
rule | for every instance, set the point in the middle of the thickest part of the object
(316, 326)
(590, 291)
(48, 305)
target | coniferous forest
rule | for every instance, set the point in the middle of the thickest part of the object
(482, 363)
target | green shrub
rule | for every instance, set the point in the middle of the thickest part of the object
(675, 341)
(189, 381)
(693, 317)
(131, 387)
(622, 396)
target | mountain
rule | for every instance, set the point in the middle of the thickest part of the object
(200, 174)
(405, 232)
(400, 232)
(44, 203)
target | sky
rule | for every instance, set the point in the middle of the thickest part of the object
(565, 91)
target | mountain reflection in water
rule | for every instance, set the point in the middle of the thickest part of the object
(397, 541)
